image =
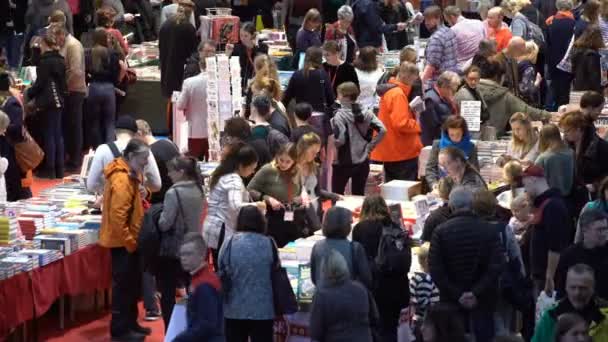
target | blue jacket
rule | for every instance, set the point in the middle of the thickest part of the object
(368, 24)
(436, 111)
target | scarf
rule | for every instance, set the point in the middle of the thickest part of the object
(450, 102)
(560, 15)
(465, 144)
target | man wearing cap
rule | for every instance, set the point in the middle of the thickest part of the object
(126, 128)
(551, 231)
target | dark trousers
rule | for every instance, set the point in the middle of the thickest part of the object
(198, 148)
(560, 87)
(11, 43)
(52, 141)
(72, 128)
(240, 330)
(482, 325)
(126, 285)
(168, 276)
(101, 113)
(215, 253)
(148, 289)
(401, 170)
(356, 173)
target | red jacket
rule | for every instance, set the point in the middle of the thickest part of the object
(402, 139)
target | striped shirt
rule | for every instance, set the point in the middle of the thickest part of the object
(225, 200)
(423, 292)
(441, 51)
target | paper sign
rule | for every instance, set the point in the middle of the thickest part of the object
(471, 112)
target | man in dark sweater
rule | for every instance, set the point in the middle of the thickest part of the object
(593, 251)
(205, 314)
(552, 229)
(465, 260)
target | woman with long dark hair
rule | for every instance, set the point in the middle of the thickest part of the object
(247, 50)
(48, 95)
(228, 194)
(585, 59)
(103, 69)
(182, 210)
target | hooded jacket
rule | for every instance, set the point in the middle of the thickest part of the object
(402, 139)
(350, 132)
(502, 104)
(437, 109)
(122, 207)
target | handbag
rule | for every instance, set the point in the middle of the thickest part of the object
(284, 298)
(27, 152)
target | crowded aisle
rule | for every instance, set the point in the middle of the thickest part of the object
(362, 171)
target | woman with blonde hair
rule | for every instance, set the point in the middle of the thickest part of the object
(529, 78)
(524, 141)
(556, 158)
(272, 89)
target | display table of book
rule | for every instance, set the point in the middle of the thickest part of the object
(48, 252)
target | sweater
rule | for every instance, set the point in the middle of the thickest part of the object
(342, 313)
(73, 53)
(313, 87)
(271, 182)
(559, 169)
(103, 156)
(306, 38)
(597, 258)
(351, 134)
(357, 264)
(49, 89)
(205, 319)
(182, 211)
(465, 256)
(340, 74)
(432, 166)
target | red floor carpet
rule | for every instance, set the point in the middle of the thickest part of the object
(87, 326)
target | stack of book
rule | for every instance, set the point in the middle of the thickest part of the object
(44, 256)
(65, 244)
(21, 263)
(7, 270)
(9, 230)
(488, 152)
(30, 226)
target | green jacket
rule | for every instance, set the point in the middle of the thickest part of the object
(597, 314)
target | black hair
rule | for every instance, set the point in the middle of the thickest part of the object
(135, 146)
(240, 154)
(249, 28)
(337, 223)
(592, 99)
(251, 219)
(303, 111)
(189, 166)
(237, 127)
(262, 104)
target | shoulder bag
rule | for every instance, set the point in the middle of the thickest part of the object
(282, 293)
(27, 152)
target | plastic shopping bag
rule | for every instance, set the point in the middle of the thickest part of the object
(543, 303)
(404, 330)
(178, 321)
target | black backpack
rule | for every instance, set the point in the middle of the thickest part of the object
(394, 256)
(148, 241)
(515, 288)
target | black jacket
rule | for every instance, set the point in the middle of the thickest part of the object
(110, 72)
(587, 70)
(368, 25)
(552, 231)
(559, 33)
(395, 15)
(431, 120)
(434, 220)
(50, 88)
(466, 256)
(339, 74)
(592, 164)
(597, 258)
(314, 88)
(192, 66)
(176, 42)
(13, 175)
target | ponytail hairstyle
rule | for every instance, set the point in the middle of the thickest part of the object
(189, 166)
(239, 154)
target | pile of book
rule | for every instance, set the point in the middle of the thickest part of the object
(9, 230)
(43, 256)
(30, 226)
(488, 152)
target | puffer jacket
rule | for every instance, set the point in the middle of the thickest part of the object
(502, 104)
(437, 109)
(466, 256)
(122, 207)
(402, 139)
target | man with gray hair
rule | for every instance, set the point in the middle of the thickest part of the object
(342, 32)
(438, 106)
(465, 260)
(592, 251)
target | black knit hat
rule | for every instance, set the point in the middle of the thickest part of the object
(126, 122)
(5, 82)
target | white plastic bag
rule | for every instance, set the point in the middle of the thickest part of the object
(543, 303)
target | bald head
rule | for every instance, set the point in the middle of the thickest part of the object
(516, 47)
(494, 17)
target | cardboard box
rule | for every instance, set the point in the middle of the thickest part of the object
(398, 190)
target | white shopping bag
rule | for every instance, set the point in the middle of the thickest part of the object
(544, 303)
(178, 321)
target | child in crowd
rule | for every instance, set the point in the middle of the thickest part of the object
(423, 291)
(522, 214)
(205, 314)
(303, 112)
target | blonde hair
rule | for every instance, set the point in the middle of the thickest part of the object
(269, 86)
(511, 7)
(143, 127)
(512, 172)
(423, 255)
(521, 147)
(520, 201)
(531, 52)
(550, 139)
(312, 15)
(307, 141)
(264, 66)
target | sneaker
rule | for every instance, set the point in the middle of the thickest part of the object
(142, 330)
(152, 316)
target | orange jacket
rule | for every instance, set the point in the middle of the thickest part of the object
(122, 207)
(402, 139)
(502, 37)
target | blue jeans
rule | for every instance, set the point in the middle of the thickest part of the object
(101, 113)
(11, 43)
(53, 142)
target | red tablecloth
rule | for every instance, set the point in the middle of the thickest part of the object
(29, 295)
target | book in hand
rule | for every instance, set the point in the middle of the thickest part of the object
(417, 105)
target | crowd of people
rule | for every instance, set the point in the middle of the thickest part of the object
(294, 150)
